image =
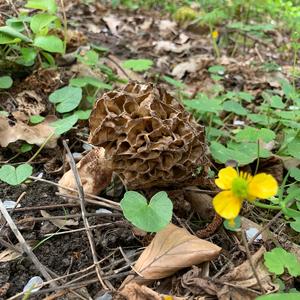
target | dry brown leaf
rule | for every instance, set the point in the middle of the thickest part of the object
(167, 28)
(95, 173)
(243, 284)
(238, 284)
(13, 131)
(193, 65)
(9, 255)
(168, 46)
(133, 291)
(113, 23)
(60, 223)
(172, 249)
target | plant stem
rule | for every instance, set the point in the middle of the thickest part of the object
(267, 206)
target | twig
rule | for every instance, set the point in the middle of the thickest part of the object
(118, 66)
(83, 211)
(244, 240)
(43, 207)
(25, 246)
(100, 200)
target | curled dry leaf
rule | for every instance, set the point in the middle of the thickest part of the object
(172, 249)
(60, 223)
(133, 291)
(239, 283)
(168, 46)
(95, 173)
(12, 131)
(10, 254)
(113, 23)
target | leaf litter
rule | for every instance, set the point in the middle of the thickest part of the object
(186, 57)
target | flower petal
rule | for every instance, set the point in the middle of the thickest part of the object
(227, 205)
(262, 186)
(225, 178)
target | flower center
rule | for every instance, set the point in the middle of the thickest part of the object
(240, 187)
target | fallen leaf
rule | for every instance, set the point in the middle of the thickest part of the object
(113, 23)
(172, 249)
(60, 223)
(11, 132)
(194, 64)
(95, 173)
(134, 291)
(9, 255)
(238, 284)
(167, 28)
(168, 46)
(242, 280)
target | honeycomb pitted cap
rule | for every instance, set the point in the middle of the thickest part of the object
(148, 136)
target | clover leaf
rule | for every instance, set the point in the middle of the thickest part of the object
(15, 176)
(150, 217)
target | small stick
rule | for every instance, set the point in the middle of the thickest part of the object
(113, 204)
(244, 240)
(83, 211)
(25, 246)
(43, 207)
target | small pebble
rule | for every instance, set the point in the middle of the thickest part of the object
(103, 211)
(251, 232)
(32, 283)
(9, 204)
(238, 122)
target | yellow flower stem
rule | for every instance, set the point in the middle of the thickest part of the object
(267, 206)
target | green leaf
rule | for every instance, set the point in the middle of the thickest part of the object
(294, 147)
(48, 5)
(295, 173)
(7, 30)
(7, 39)
(68, 98)
(41, 21)
(276, 102)
(138, 65)
(235, 107)
(296, 224)
(235, 226)
(278, 259)
(63, 125)
(15, 176)
(83, 114)
(261, 119)
(84, 81)
(203, 104)
(50, 43)
(220, 70)
(174, 82)
(5, 82)
(245, 96)
(252, 134)
(25, 148)
(28, 56)
(279, 296)
(90, 58)
(150, 217)
(35, 119)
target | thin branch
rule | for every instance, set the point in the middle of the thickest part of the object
(245, 243)
(25, 246)
(83, 211)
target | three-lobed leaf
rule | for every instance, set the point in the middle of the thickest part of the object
(150, 217)
(63, 125)
(278, 259)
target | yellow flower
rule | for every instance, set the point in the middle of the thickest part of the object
(238, 187)
(215, 34)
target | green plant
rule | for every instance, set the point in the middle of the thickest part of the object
(15, 176)
(25, 37)
(151, 217)
(138, 65)
(279, 259)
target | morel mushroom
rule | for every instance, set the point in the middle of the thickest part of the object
(148, 136)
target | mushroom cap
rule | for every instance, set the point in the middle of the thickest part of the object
(148, 136)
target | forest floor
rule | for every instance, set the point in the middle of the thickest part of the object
(184, 62)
